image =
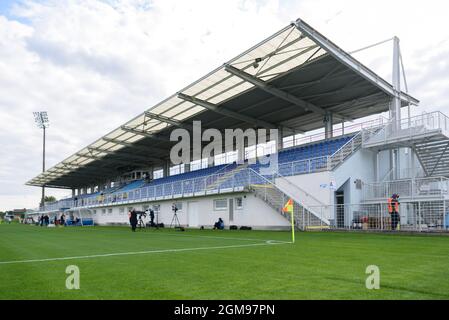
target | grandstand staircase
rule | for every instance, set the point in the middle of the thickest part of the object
(427, 135)
(345, 152)
(275, 194)
(217, 181)
(434, 156)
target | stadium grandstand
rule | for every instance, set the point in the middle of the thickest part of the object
(340, 172)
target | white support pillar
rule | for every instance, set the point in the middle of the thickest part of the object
(398, 163)
(395, 109)
(279, 138)
(412, 163)
(377, 173)
(391, 158)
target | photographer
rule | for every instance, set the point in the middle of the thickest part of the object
(151, 214)
(132, 214)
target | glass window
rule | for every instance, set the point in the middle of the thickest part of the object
(220, 204)
(157, 174)
(121, 210)
(220, 159)
(288, 142)
(239, 203)
(198, 164)
(178, 205)
(178, 169)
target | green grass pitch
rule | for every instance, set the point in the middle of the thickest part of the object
(115, 263)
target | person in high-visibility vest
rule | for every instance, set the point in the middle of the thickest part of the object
(393, 210)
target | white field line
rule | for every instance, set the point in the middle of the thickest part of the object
(221, 238)
(142, 252)
(154, 232)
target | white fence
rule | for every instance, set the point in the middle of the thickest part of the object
(407, 129)
(414, 216)
(414, 188)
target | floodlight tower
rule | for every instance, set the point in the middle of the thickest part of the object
(41, 119)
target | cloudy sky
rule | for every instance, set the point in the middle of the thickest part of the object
(95, 64)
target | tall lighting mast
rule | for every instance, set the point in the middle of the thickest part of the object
(41, 119)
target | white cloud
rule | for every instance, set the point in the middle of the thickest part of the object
(95, 64)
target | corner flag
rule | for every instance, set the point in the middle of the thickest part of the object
(289, 208)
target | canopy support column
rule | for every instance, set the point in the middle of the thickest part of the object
(395, 108)
(328, 125)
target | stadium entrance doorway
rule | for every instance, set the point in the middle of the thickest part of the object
(340, 210)
(193, 214)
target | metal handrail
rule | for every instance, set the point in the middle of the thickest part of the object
(412, 187)
(288, 194)
(299, 188)
(346, 144)
(336, 132)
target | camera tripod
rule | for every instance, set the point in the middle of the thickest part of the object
(175, 221)
(141, 223)
(152, 224)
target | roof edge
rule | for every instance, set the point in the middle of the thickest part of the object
(351, 62)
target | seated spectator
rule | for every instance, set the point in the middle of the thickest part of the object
(219, 225)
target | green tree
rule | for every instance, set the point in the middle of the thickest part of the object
(49, 199)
